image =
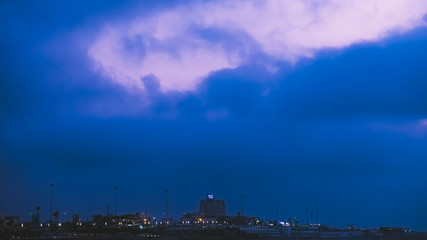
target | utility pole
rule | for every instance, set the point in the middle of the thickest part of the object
(51, 202)
(242, 204)
(166, 212)
(306, 213)
(115, 201)
(317, 212)
(277, 211)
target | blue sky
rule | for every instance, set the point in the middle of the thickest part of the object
(194, 98)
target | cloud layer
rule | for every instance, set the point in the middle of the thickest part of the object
(183, 45)
(355, 120)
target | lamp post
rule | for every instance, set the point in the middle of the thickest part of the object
(317, 213)
(115, 201)
(242, 204)
(51, 202)
(277, 211)
(306, 213)
(166, 212)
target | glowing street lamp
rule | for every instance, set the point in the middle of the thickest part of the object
(51, 202)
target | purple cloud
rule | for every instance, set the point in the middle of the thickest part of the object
(180, 46)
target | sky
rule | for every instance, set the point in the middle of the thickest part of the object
(304, 101)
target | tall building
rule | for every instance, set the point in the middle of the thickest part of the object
(211, 207)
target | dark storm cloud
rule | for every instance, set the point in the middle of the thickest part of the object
(372, 81)
(365, 81)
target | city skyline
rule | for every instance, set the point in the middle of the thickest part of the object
(207, 208)
(61, 212)
(302, 101)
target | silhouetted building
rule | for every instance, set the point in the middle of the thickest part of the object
(132, 220)
(11, 221)
(211, 207)
(189, 218)
(239, 220)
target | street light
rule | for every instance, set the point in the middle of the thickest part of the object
(115, 201)
(51, 202)
(306, 212)
(166, 193)
(242, 204)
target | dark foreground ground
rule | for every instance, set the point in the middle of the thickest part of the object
(191, 234)
(133, 237)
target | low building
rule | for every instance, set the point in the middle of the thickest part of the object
(12, 221)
